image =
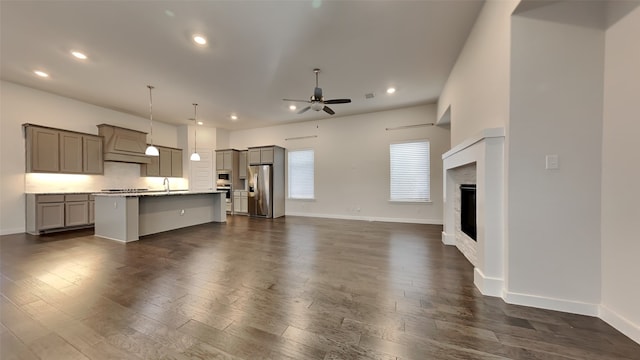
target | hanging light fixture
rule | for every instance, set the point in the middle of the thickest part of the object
(151, 150)
(195, 156)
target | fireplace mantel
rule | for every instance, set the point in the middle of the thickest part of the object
(486, 150)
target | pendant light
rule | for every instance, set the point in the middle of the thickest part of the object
(151, 150)
(195, 156)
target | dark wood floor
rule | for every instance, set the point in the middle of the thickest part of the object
(290, 288)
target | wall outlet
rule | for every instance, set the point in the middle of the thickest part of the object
(551, 162)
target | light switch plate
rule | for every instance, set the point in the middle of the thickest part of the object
(551, 162)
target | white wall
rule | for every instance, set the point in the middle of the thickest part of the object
(352, 163)
(620, 174)
(20, 105)
(477, 90)
(554, 215)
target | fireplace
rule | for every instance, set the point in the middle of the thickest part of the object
(468, 210)
(479, 160)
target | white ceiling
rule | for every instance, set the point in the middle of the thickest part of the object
(259, 52)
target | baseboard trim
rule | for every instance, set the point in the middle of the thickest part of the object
(570, 306)
(12, 231)
(448, 239)
(366, 218)
(487, 285)
(620, 323)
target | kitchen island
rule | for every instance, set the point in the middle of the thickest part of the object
(127, 216)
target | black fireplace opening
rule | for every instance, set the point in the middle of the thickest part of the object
(468, 210)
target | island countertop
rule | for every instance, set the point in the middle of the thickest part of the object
(125, 216)
(156, 193)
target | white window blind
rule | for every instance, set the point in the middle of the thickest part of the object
(301, 174)
(409, 166)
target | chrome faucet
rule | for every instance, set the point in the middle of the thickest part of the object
(165, 183)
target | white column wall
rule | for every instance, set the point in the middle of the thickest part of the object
(620, 174)
(554, 215)
(477, 90)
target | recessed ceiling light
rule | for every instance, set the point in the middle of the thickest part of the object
(199, 39)
(292, 107)
(41, 73)
(234, 117)
(391, 90)
(200, 123)
(79, 55)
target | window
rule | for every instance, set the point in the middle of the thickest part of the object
(301, 174)
(409, 166)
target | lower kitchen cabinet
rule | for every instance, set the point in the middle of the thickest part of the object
(76, 210)
(240, 201)
(55, 212)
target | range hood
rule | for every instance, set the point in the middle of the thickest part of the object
(124, 145)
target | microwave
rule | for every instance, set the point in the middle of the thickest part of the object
(224, 176)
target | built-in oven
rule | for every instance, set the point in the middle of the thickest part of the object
(227, 190)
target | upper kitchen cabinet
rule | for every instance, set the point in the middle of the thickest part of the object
(176, 162)
(227, 160)
(242, 164)
(42, 149)
(61, 151)
(70, 152)
(263, 154)
(92, 151)
(167, 164)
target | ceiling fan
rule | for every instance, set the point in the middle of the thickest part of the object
(317, 101)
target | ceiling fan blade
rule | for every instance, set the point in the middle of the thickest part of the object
(328, 110)
(307, 101)
(337, 101)
(304, 110)
(317, 93)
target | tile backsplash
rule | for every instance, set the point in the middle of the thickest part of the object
(116, 176)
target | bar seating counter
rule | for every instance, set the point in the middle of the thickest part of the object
(129, 215)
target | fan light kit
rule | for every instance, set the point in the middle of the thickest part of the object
(317, 101)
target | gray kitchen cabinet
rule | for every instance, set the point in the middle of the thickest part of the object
(176, 163)
(254, 157)
(242, 164)
(60, 151)
(42, 149)
(92, 210)
(92, 154)
(57, 212)
(240, 202)
(76, 210)
(261, 155)
(50, 212)
(152, 168)
(167, 164)
(226, 160)
(70, 155)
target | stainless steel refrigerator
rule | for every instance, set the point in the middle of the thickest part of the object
(260, 191)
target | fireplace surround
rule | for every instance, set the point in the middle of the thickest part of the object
(485, 152)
